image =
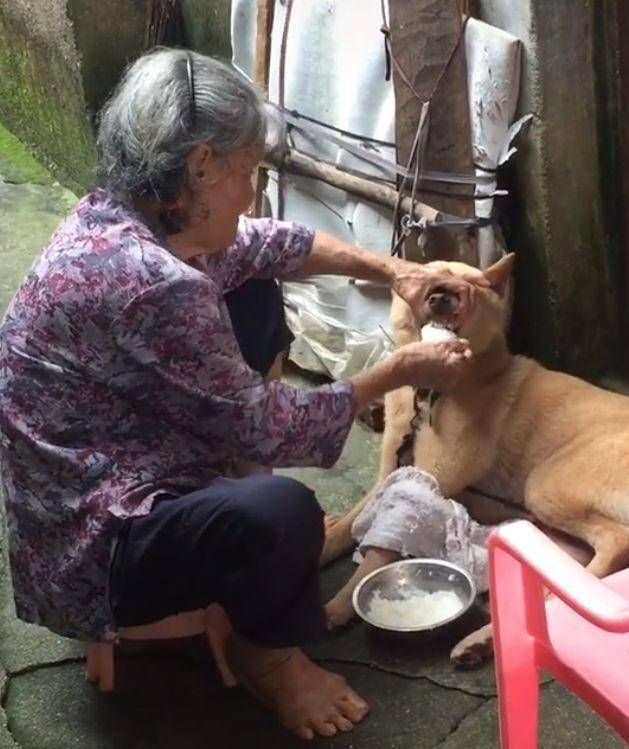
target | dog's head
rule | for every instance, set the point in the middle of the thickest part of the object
(485, 317)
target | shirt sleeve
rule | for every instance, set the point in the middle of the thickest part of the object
(181, 364)
(264, 248)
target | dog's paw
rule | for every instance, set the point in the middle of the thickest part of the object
(338, 541)
(474, 649)
(339, 611)
(329, 521)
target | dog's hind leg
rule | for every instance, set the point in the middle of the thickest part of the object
(576, 508)
(549, 498)
(610, 542)
(609, 539)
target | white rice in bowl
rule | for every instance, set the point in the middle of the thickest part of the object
(419, 609)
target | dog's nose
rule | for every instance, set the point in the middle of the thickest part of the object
(443, 303)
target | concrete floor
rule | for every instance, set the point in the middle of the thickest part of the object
(168, 696)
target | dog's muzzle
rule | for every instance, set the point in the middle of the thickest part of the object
(443, 304)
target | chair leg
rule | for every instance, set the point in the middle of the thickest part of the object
(218, 629)
(518, 704)
(515, 663)
(100, 665)
(92, 661)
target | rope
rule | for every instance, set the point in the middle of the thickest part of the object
(372, 156)
(418, 149)
(282, 88)
(402, 227)
(390, 57)
(453, 52)
(386, 30)
(340, 131)
(399, 233)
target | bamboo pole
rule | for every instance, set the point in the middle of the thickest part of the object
(262, 59)
(301, 165)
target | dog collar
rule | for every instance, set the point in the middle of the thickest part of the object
(432, 396)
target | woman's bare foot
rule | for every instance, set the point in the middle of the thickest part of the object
(308, 700)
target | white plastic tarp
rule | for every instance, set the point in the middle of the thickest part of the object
(335, 72)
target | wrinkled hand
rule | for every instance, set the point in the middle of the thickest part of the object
(414, 283)
(438, 366)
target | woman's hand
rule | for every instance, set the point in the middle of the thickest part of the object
(438, 366)
(414, 283)
(411, 281)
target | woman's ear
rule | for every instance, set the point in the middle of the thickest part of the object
(500, 273)
(201, 162)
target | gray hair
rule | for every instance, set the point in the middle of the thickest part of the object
(153, 120)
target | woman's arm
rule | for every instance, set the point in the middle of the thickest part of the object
(267, 248)
(332, 256)
(411, 281)
(181, 366)
(435, 366)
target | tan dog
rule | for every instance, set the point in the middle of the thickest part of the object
(552, 443)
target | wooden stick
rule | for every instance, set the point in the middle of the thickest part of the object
(301, 165)
(427, 43)
(264, 26)
(262, 59)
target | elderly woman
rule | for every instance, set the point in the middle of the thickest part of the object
(124, 392)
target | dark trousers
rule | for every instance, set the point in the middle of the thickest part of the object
(252, 544)
(257, 313)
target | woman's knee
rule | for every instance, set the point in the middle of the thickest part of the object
(286, 509)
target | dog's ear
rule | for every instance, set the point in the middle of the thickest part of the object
(499, 273)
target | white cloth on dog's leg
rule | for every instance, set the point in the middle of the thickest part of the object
(409, 514)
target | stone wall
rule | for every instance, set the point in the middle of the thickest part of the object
(206, 26)
(59, 59)
(41, 88)
(563, 222)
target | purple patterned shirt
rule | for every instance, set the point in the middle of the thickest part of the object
(120, 377)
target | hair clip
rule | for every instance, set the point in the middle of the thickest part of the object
(191, 94)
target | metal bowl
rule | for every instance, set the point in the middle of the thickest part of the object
(397, 580)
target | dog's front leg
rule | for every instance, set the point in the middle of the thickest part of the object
(338, 539)
(399, 412)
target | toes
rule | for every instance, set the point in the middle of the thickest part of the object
(325, 728)
(353, 707)
(341, 722)
(305, 732)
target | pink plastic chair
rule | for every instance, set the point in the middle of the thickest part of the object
(580, 636)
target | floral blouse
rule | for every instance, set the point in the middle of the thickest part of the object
(120, 377)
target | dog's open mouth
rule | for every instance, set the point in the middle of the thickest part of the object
(442, 309)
